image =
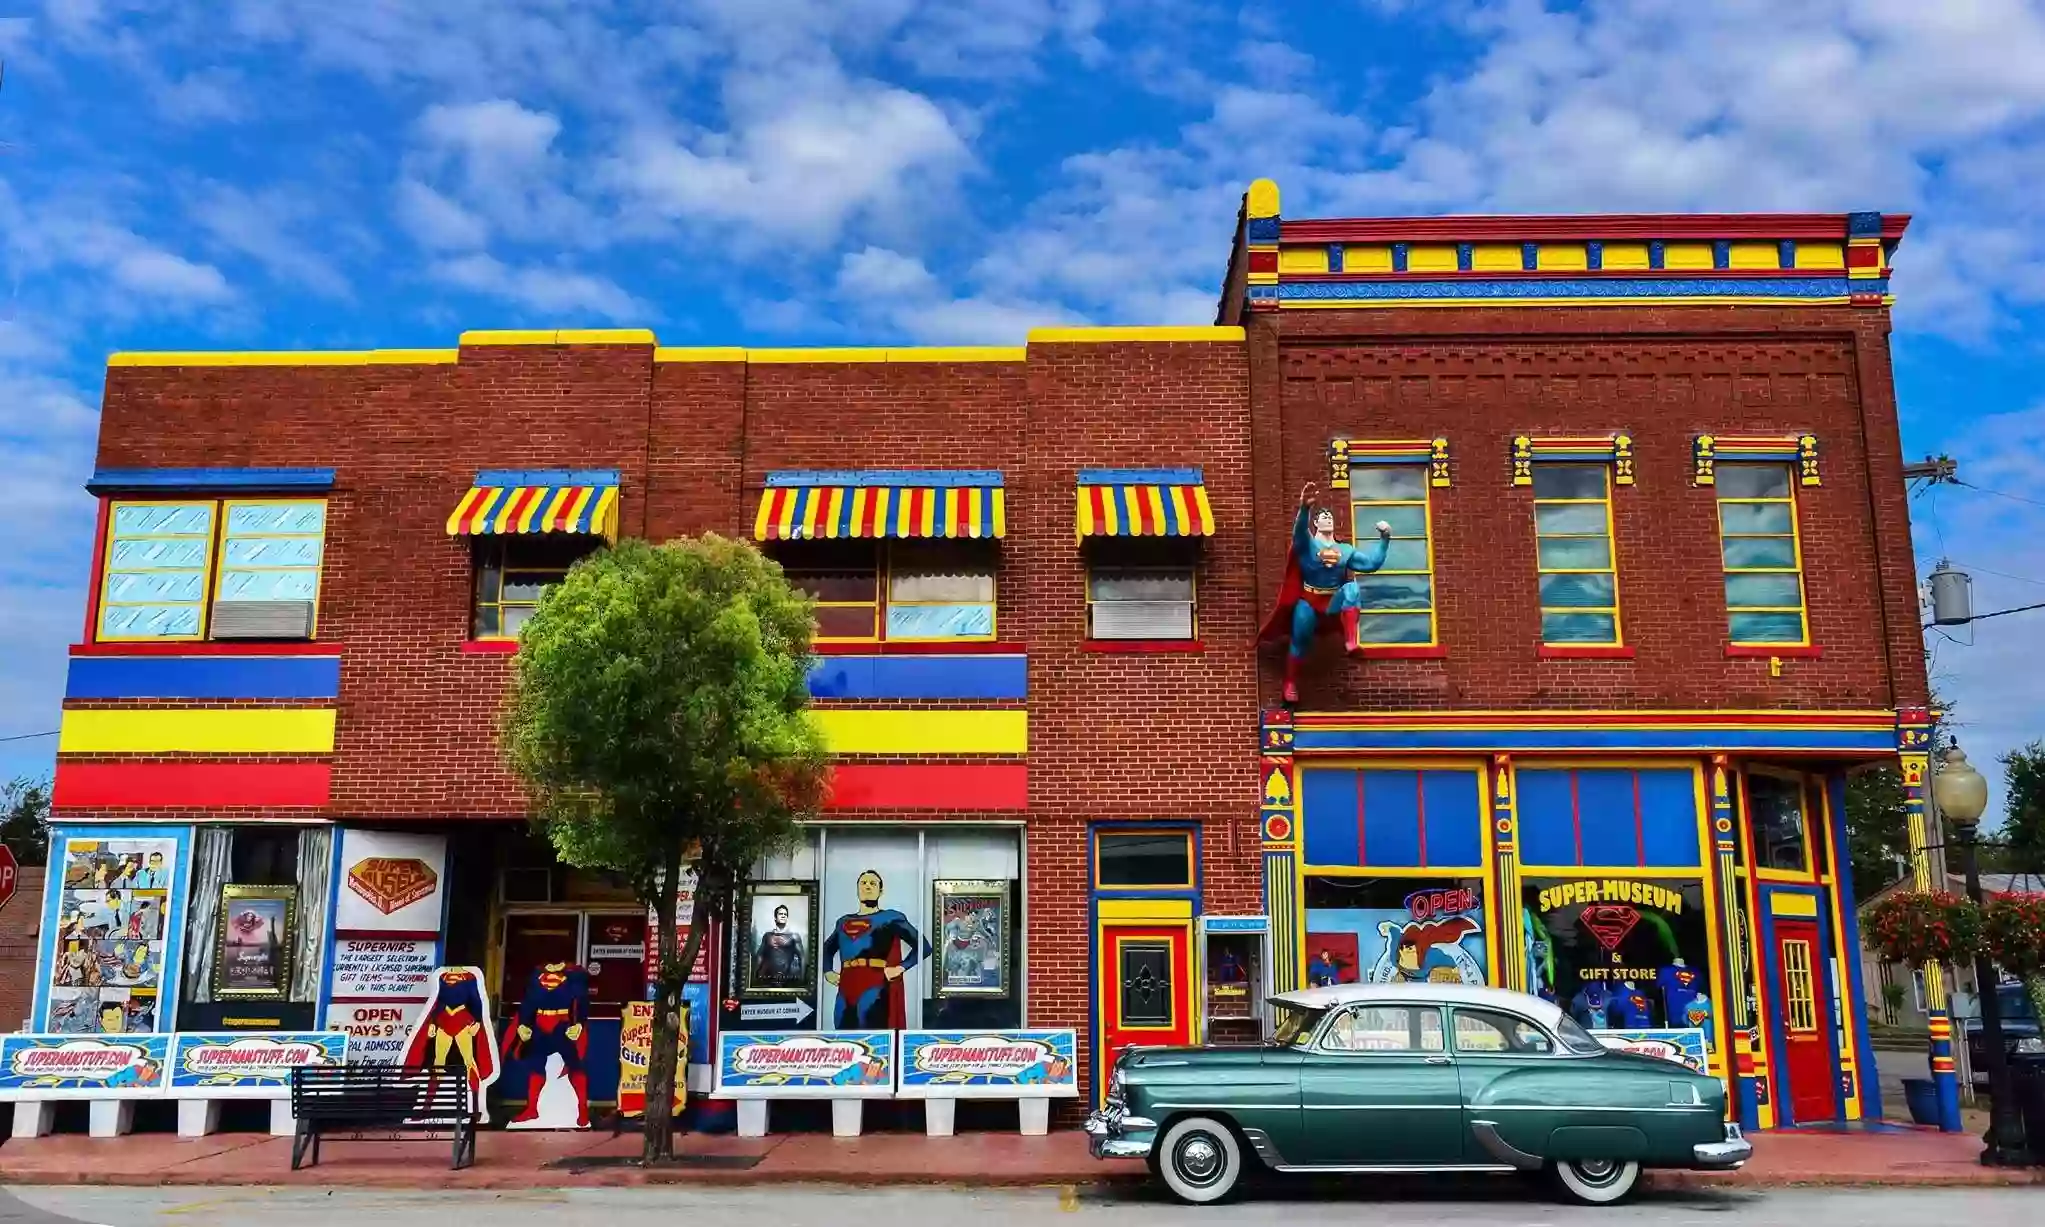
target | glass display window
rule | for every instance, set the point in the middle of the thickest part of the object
(1620, 953)
(1395, 930)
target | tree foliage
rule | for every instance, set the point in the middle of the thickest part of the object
(1877, 829)
(2023, 820)
(25, 819)
(658, 717)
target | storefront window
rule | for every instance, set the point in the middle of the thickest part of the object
(1619, 953)
(1396, 930)
(1775, 822)
(1136, 860)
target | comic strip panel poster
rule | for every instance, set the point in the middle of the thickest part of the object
(106, 976)
(1396, 931)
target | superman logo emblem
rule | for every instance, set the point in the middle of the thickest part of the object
(1610, 923)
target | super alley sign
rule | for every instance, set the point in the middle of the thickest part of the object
(1610, 890)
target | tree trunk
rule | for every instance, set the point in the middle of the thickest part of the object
(659, 1121)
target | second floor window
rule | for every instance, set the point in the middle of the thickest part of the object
(195, 569)
(1140, 588)
(1398, 598)
(901, 591)
(1579, 573)
(1764, 586)
(512, 572)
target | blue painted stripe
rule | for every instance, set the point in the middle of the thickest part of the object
(944, 479)
(1872, 742)
(204, 677)
(920, 677)
(104, 480)
(1622, 287)
(1140, 477)
(547, 477)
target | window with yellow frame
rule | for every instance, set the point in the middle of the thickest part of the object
(1579, 572)
(899, 591)
(1398, 598)
(514, 571)
(1763, 555)
(168, 562)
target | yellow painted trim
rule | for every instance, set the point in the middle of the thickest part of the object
(1688, 300)
(1262, 199)
(238, 730)
(1437, 258)
(1144, 909)
(843, 354)
(1579, 872)
(959, 353)
(1786, 903)
(558, 336)
(923, 731)
(1084, 336)
(329, 357)
(699, 353)
(1303, 258)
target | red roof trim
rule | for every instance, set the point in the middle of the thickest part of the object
(1572, 274)
(1619, 226)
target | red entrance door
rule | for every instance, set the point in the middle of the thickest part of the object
(1146, 989)
(1807, 1022)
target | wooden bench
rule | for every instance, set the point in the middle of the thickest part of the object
(382, 1099)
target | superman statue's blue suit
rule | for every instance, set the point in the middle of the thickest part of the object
(1318, 585)
(551, 1022)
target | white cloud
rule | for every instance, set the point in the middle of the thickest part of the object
(436, 221)
(901, 296)
(550, 291)
(266, 227)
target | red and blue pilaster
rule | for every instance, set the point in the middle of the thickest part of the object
(1279, 818)
(1913, 747)
(1748, 1072)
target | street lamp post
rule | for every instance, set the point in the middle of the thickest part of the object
(1962, 794)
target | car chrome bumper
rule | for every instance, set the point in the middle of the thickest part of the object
(1107, 1135)
(1731, 1153)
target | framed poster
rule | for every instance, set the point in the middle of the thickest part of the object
(781, 939)
(253, 960)
(108, 915)
(972, 925)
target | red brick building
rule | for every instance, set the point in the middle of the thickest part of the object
(1649, 595)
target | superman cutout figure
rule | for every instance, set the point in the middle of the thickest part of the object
(453, 1032)
(552, 1025)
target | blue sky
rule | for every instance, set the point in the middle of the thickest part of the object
(250, 174)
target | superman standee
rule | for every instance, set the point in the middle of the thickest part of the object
(552, 1020)
(456, 1024)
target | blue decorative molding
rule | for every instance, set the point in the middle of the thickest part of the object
(1530, 256)
(1594, 254)
(546, 477)
(942, 479)
(1785, 254)
(1335, 257)
(1261, 230)
(1466, 257)
(1592, 740)
(1815, 289)
(1722, 253)
(1141, 477)
(113, 481)
(1864, 225)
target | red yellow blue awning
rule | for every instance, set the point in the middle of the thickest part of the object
(811, 506)
(509, 501)
(1144, 503)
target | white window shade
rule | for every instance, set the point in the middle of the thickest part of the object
(959, 586)
(1143, 620)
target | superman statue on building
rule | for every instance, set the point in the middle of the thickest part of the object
(552, 1021)
(874, 947)
(1318, 585)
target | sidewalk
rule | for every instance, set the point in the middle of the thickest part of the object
(546, 1160)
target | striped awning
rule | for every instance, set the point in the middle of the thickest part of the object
(505, 501)
(808, 506)
(1143, 503)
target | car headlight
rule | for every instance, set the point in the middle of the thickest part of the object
(2031, 1045)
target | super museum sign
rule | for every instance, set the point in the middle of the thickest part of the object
(1022, 1064)
(81, 1067)
(794, 1064)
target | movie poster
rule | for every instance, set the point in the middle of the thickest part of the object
(106, 977)
(1395, 931)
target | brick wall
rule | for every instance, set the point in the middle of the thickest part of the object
(20, 921)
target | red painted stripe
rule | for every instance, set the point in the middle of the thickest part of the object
(206, 649)
(999, 786)
(912, 524)
(778, 500)
(935, 648)
(396, 935)
(191, 785)
(99, 553)
(518, 506)
(1099, 496)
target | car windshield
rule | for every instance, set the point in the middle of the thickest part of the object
(2015, 1003)
(1575, 1038)
(1295, 1025)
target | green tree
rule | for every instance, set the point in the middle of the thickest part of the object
(25, 819)
(2023, 813)
(658, 716)
(1877, 829)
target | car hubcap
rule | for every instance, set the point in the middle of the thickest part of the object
(1597, 1171)
(1199, 1159)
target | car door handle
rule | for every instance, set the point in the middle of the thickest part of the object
(1437, 1060)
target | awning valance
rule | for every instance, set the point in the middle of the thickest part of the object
(513, 501)
(806, 506)
(1143, 503)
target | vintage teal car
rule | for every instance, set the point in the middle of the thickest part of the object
(1414, 1078)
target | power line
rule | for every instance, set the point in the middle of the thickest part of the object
(29, 736)
(2014, 498)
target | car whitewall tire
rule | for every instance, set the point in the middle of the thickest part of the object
(1597, 1182)
(1199, 1160)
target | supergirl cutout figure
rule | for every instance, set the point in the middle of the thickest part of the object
(456, 1025)
(1318, 585)
(552, 1023)
(874, 947)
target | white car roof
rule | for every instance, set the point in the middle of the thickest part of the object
(1546, 1013)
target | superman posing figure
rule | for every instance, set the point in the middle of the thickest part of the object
(873, 946)
(552, 1022)
(455, 1021)
(1318, 584)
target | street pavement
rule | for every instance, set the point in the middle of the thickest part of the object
(1474, 1203)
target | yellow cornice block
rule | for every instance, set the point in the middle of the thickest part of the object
(329, 357)
(1098, 336)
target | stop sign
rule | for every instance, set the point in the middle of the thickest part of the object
(8, 872)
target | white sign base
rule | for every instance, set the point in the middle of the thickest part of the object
(752, 1118)
(282, 1123)
(33, 1118)
(1035, 1116)
(846, 1117)
(198, 1117)
(939, 1116)
(112, 1118)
